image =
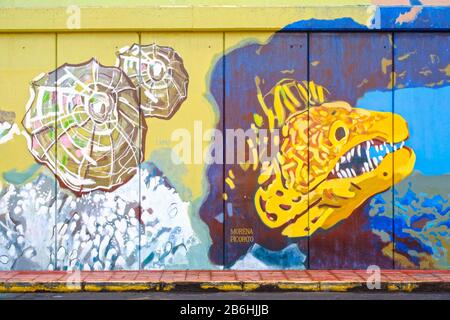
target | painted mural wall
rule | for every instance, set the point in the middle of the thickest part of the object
(321, 145)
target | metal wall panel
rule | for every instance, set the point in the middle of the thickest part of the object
(355, 136)
(27, 202)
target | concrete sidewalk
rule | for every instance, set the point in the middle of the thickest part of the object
(196, 280)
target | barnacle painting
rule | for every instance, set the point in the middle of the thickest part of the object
(83, 122)
(160, 74)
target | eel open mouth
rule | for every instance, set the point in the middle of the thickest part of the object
(363, 158)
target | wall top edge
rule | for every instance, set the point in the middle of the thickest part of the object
(224, 18)
(208, 6)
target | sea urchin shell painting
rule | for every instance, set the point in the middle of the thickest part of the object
(83, 122)
(162, 78)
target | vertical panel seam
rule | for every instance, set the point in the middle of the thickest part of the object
(307, 110)
(141, 149)
(224, 144)
(393, 76)
(56, 159)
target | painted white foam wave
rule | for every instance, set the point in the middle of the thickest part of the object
(98, 231)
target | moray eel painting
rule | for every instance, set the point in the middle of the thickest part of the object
(351, 176)
(350, 158)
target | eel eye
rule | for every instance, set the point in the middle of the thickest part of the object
(338, 133)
